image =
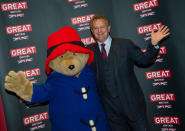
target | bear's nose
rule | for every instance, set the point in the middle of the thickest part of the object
(71, 67)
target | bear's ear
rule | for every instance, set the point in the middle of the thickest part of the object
(51, 64)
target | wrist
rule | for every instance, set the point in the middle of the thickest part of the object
(154, 42)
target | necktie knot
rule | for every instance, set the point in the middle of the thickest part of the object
(103, 51)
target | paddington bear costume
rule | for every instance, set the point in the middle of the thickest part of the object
(68, 110)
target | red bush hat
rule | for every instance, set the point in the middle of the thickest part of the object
(61, 41)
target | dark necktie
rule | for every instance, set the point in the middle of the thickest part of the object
(103, 51)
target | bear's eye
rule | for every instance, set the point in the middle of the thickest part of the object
(62, 56)
(74, 53)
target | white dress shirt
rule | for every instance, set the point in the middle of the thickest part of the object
(107, 45)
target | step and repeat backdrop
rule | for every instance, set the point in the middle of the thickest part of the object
(163, 83)
(25, 26)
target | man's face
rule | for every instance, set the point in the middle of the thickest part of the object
(100, 30)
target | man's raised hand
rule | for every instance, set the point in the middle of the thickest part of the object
(156, 37)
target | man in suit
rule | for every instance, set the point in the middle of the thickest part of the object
(120, 93)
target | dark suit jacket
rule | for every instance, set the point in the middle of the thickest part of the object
(116, 77)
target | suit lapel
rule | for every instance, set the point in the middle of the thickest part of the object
(111, 51)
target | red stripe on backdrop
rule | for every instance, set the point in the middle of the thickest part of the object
(2, 117)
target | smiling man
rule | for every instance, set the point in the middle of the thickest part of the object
(120, 93)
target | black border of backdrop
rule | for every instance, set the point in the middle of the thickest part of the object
(46, 17)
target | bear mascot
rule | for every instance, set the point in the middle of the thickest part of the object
(70, 89)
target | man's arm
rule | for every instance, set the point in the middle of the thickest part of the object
(147, 58)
